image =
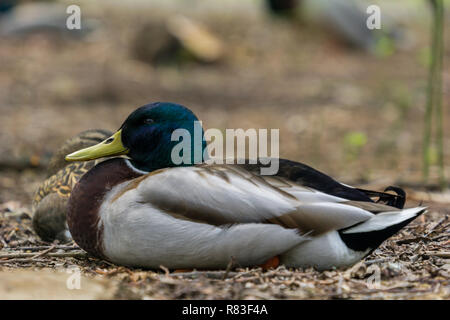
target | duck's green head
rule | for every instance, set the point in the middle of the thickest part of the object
(149, 136)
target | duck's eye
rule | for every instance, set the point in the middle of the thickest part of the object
(148, 121)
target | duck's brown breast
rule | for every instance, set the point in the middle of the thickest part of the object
(83, 217)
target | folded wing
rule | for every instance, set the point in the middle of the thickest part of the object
(229, 194)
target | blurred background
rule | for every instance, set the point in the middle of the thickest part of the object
(348, 101)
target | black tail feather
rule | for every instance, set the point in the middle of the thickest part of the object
(361, 241)
(394, 200)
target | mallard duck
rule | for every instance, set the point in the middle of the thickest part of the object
(144, 210)
(50, 200)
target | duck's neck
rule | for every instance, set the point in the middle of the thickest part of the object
(83, 216)
(145, 166)
(149, 166)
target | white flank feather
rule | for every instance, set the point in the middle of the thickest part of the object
(386, 219)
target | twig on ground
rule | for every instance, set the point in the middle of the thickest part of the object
(440, 254)
(437, 224)
(440, 237)
(381, 260)
(245, 273)
(38, 248)
(165, 269)
(216, 275)
(253, 278)
(3, 242)
(43, 253)
(75, 254)
(229, 266)
(412, 240)
(22, 260)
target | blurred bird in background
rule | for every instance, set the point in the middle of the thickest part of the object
(346, 19)
(50, 200)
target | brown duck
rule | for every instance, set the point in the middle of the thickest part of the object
(50, 200)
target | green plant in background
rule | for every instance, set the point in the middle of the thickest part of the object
(353, 143)
(385, 47)
(402, 100)
(396, 103)
(424, 57)
(434, 95)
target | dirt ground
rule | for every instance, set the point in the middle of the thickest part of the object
(353, 115)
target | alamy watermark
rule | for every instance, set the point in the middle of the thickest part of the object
(371, 274)
(73, 282)
(73, 21)
(225, 150)
(374, 19)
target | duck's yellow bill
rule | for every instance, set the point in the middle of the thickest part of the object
(110, 147)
